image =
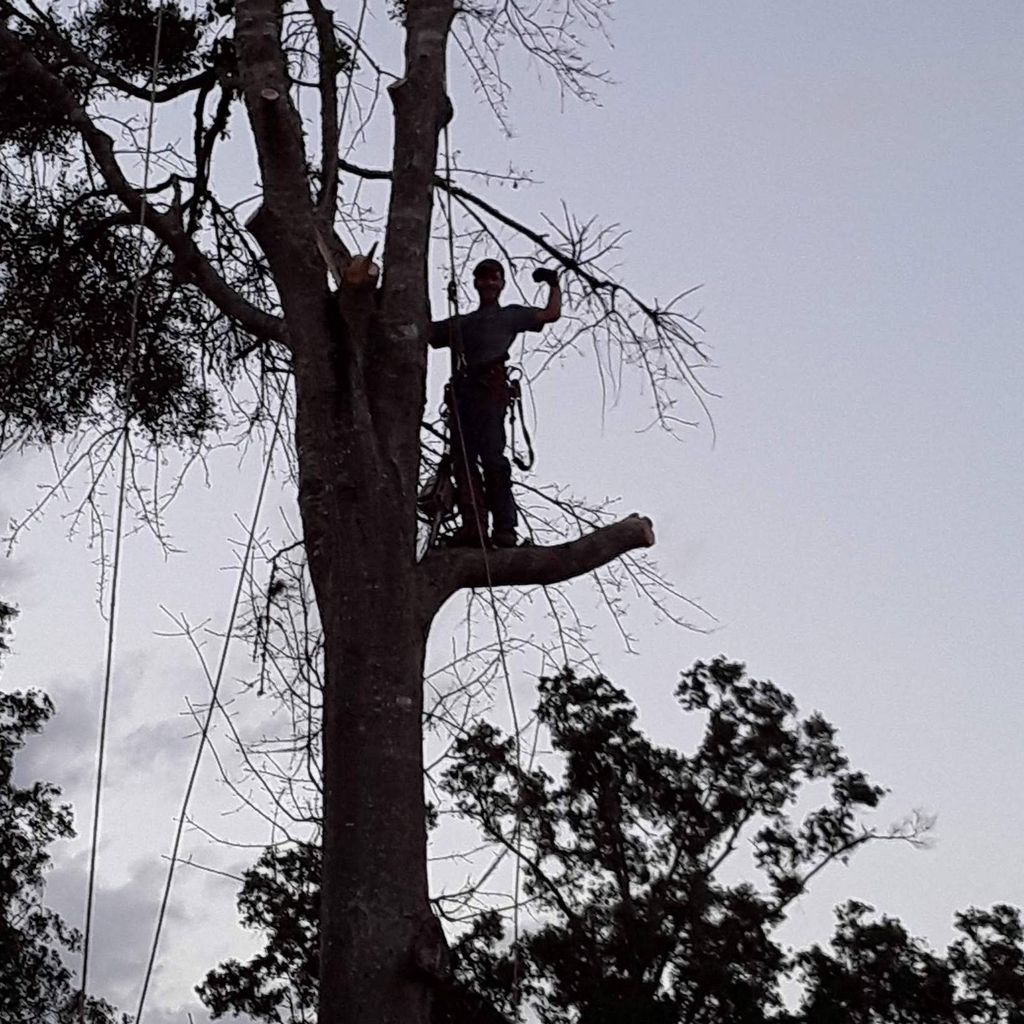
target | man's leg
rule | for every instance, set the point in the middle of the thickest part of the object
(469, 487)
(497, 472)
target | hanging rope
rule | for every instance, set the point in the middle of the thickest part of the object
(459, 366)
(357, 45)
(115, 569)
(213, 705)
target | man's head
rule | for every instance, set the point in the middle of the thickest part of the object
(488, 279)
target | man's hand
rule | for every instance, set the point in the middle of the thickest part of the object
(553, 310)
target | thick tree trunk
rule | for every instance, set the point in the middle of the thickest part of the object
(358, 511)
(374, 908)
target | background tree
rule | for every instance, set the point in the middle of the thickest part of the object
(656, 881)
(876, 972)
(155, 342)
(35, 984)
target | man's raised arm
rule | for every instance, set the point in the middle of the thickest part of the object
(553, 310)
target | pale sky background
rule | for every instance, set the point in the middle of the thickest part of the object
(844, 181)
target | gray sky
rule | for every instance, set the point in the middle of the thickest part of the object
(843, 180)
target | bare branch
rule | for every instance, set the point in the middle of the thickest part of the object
(328, 85)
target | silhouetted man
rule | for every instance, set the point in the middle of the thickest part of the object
(479, 398)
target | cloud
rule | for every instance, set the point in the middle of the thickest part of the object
(65, 752)
(124, 923)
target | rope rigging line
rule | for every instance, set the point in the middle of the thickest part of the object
(115, 569)
(213, 705)
(357, 46)
(459, 366)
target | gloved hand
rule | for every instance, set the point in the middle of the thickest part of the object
(545, 275)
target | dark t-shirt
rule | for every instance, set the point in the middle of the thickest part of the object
(487, 334)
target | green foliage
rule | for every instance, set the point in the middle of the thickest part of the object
(624, 865)
(29, 125)
(35, 985)
(7, 614)
(875, 972)
(122, 35)
(68, 354)
(625, 849)
(988, 960)
(281, 897)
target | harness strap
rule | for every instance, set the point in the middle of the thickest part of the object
(515, 391)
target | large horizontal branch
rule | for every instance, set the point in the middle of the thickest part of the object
(458, 568)
(190, 263)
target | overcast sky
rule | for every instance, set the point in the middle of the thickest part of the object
(844, 181)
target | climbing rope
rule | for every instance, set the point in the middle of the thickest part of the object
(356, 47)
(115, 568)
(213, 705)
(459, 365)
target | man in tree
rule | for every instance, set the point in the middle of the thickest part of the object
(478, 398)
(153, 343)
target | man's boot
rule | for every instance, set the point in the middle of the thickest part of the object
(466, 536)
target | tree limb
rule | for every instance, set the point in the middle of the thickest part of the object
(459, 568)
(190, 263)
(288, 229)
(327, 200)
(420, 107)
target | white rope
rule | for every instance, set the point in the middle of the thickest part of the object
(115, 570)
(205, 730)
(455, 335)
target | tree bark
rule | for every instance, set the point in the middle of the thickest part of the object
(359, 404)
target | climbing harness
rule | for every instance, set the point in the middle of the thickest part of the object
(515, 401)
(435, 501)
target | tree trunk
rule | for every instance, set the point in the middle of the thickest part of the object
(357, 499)
(374, 907)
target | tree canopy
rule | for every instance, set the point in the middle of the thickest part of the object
(655, 881)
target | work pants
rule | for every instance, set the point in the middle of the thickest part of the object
(483, 474)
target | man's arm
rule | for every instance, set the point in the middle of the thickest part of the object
(439, 334)
(553, 310)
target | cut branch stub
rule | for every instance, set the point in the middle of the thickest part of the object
(459, 568)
